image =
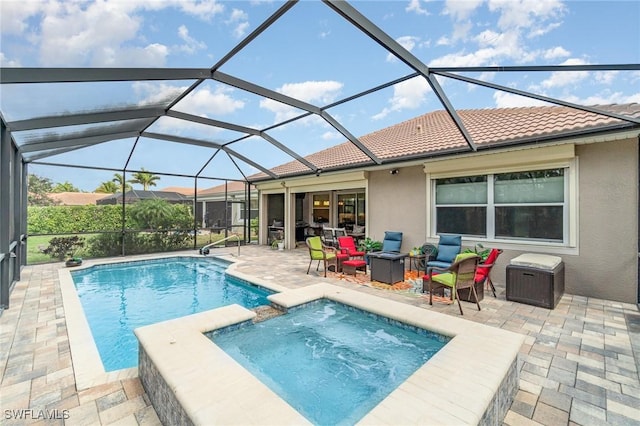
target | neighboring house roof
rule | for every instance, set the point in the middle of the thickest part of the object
(232, 186)
(76, 198)
(136, 195)
(179, 190)
(435, 134)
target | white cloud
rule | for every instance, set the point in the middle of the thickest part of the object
(510, 100)
(605, 98)
(240, 21)
(526, 13)
(409, 94)
(485, 76)
(102, 33)
(461, 10)
(415, 7)
(190, 45)
(148, 56)
(330, 136)
(408, 42)
(322, 92)
(210, 103)
(555, 52)
(606, 77)
(240, 30)
(314, 92)
(5, 62)
(504, 41)
(539, 31)
(565, 78)
(99, 35)
(443, 41)
(204, 10)
(150, 93)
(203, 101)
(238, 15)
(15, 14)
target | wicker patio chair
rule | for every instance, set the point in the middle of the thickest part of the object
(460, 275)
(321, 253)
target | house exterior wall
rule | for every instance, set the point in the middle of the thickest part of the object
(397, 202)
(605, 262)
(607, 265)
(601, 254)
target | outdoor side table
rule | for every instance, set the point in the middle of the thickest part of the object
(414, 259)
(387, 267)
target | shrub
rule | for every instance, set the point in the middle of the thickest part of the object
(70, 219)
(64, 247)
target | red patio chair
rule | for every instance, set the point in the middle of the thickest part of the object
(484, 270)
(348, 245)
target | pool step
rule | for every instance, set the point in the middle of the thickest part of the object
(265, 312)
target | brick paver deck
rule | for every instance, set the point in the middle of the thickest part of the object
(579, 365)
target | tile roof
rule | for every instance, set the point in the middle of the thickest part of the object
(233, 186)
(435, 133)
(179, 189)
(138, 194)
(76, 198)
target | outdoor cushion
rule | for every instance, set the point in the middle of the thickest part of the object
(392, 241)
(482, 273)
(437, 264)
(348, 246)
(448, 247)
(317, 252)
(448, 278)
(537, 261)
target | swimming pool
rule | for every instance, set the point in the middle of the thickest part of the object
(331, 362)
(119, 297)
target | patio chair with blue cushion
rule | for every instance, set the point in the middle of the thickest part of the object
(392, 241)
(449, 247)
(458, 276)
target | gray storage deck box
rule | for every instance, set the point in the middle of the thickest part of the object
(536, 279)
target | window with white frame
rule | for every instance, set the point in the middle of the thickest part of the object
(524, 205)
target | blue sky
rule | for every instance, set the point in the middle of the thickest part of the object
(312, 54)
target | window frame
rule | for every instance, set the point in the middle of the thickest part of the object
(570, 203)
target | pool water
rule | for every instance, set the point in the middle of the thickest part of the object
(117, 298)
(332, 363)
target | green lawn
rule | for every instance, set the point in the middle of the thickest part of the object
(36, 243)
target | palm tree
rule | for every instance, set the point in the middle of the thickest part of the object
(108, 187)
(145, 179)
(65, 187)
(123, 186)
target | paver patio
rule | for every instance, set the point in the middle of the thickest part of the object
(579, 364)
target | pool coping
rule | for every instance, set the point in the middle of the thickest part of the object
(184, 370)
(88, 369)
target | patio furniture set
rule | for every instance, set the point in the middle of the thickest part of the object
(533, 279)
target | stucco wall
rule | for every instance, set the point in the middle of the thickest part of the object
(397, 203)
(606, 266)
